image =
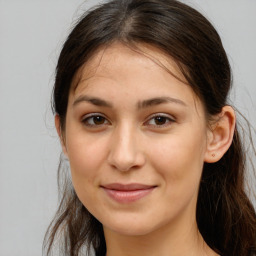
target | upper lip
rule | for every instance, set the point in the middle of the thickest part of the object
(127, 187)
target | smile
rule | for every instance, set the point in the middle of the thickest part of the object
(127, 193)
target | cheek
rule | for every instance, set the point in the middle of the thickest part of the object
(179, 160)
(86, 156)
(85, 162)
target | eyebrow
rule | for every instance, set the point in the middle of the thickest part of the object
(158, 101)
(141, 104)
(93, 100)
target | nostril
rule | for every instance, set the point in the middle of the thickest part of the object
(124, 153)
(124, 161)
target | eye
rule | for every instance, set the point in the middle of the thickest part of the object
(94, 120)
(160, 120)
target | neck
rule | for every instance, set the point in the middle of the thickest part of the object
(162, 242)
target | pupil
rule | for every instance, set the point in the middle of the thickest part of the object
(160, 120)
(98, 120)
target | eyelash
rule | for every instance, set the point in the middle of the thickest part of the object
(168, 120)
(90, 117)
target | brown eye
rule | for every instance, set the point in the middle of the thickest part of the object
(98, 120)
(94, 120)
(160, 120)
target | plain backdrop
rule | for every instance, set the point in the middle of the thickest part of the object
(31, 35)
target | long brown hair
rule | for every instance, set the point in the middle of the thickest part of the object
(225, 216)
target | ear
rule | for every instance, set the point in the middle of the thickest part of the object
(60, 133)
(220, 135)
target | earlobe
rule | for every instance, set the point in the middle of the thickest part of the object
(60, 133)
(220, 135)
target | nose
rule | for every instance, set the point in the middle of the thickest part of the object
(125, 149)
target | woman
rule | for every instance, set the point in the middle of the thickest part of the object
(157, 166)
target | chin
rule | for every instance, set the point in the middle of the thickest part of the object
(130, 227)
(131, 231)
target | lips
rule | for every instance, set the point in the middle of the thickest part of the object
(127, 193)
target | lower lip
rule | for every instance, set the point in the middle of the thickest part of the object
(127, 196)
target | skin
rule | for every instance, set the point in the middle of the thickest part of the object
(162, 143)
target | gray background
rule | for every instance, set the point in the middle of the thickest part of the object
(31, 34)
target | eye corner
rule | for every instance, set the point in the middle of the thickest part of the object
(95, 120)
(160, 120)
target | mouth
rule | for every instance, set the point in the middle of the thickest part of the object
(127, 193)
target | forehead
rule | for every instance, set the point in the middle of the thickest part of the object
(141, 72)
(145, 55)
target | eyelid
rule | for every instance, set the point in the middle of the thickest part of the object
(170, 119)
(167, 116)
(91, 115)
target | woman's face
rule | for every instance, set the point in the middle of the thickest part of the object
(136, 139)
